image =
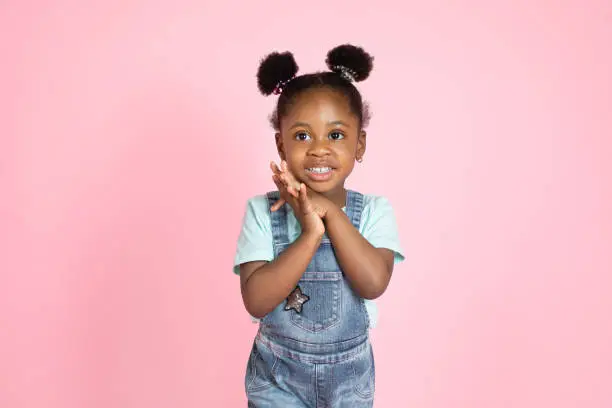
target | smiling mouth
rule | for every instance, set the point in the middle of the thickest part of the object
(319, 173)
(319, 170)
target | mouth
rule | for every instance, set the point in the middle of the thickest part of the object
(319, 173)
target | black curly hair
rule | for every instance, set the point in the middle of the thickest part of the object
(347, 64)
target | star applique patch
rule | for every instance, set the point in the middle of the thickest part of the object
(296, 300)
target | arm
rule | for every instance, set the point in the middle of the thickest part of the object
(264, 285)
(367, 268)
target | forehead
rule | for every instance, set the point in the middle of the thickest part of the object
(320, 104)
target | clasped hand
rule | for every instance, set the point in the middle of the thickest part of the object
(310, 208)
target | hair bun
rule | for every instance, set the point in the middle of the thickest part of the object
(275, 70)
(350, 61)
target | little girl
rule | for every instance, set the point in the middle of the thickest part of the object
(313, 255)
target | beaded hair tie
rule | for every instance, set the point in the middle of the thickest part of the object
(281, 85)
(345, 72)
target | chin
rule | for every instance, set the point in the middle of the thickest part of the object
(318, 187)
(323, 188)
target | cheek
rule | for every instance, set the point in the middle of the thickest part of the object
(346, 154)
(295, 158)
(349, 164)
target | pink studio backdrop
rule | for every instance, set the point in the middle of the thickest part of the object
(132, 134)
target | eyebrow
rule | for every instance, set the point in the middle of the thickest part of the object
(338, 122)
(334, 122)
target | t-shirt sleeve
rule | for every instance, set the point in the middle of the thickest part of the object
(255, 238)
(380, 227)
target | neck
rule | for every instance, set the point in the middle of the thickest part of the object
(337, 196)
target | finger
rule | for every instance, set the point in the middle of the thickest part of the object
(292, 181)
(296, 185)
(291, 190)
(278, 183)
(280, 186)
(278, 204)
(285, 179)
(282, 190)
(274, 168)
(291, 187)
(304, 201)
(289, 179)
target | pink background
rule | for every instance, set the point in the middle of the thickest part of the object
(132, 134)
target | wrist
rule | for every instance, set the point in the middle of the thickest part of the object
(332, 211)
(312, 236)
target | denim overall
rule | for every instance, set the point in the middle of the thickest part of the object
(320, 357)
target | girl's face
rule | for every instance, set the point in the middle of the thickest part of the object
(320, 139)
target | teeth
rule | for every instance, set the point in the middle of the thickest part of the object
(319, 169)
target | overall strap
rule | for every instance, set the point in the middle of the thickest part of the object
(354, 207)
(280, 228)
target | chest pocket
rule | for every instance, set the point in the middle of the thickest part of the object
(323, 284)
(323, 309)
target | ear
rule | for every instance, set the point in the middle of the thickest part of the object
(361, 145)
(279, 145)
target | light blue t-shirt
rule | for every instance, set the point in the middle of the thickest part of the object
(255, 243)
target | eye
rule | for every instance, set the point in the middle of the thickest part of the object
(336, 136)
(302, 136)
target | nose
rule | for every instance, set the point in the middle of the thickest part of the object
(319, 148)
